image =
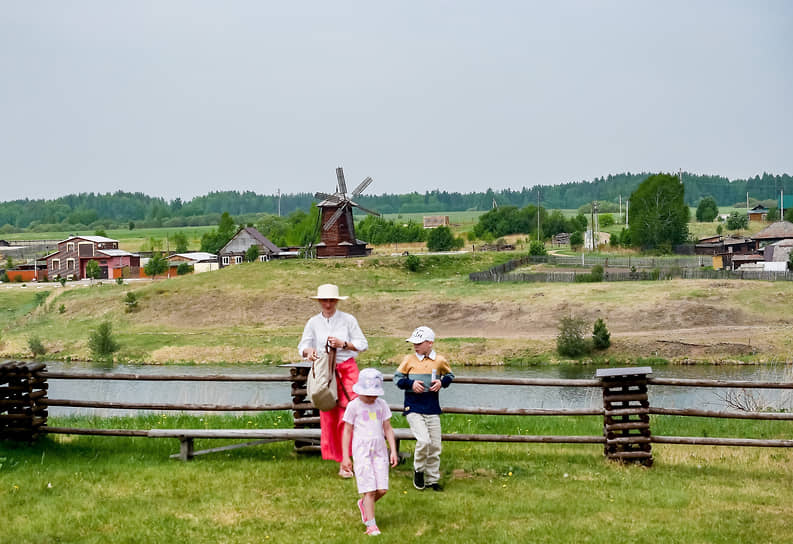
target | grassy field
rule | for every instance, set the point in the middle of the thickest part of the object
(78, 489)
(255, 312)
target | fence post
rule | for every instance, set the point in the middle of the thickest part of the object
(22, 390)
(304, 418)
(626, 414)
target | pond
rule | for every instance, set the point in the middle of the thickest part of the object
(458, 395)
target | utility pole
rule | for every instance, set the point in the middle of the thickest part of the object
(538, 213)
(627, 202)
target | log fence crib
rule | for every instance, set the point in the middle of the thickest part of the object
(626, 411)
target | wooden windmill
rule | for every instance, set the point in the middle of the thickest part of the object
(337, 235)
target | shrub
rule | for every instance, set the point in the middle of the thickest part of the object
(131, 302)
(537, 248)
(61, 309)
(4, 277)
(442, 239)
(571, 342)
(119, 281)
(252, 255)
(183, 269)
(595, 275)
(412, 263)
(601, 338)
(101, 342)
(36, 347)
(18, 278)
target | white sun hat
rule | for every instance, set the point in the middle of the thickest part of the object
(421, 334)
(328, 290)
(370, 383)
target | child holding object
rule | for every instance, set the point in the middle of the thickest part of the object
(367, 424)
(421, 375)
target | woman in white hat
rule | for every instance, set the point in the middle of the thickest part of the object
(341, 331)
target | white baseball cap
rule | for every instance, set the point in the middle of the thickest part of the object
(421, 334)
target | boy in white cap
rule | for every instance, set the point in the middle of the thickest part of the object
(421, 375)
(367, 424)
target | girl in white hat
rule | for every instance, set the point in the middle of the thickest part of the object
(368, 425)
(340, 330)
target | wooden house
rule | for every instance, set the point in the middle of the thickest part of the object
(780, 230)
(758, 213)
(235, 250)
(73, 254)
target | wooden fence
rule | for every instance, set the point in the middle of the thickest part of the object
(626, 410)
(637, 269)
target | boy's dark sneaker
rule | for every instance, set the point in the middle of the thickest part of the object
(436, 487)
(418, 480)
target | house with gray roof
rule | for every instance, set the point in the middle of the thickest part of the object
(235, 250)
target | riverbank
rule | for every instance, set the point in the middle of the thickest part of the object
(255, 313)
(126, 490)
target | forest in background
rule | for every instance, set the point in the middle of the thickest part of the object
(122, 209)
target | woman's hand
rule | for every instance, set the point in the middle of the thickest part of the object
(335, 342)
(310, 354)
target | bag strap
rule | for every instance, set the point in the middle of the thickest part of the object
(332, 360)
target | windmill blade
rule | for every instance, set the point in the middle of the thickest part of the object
(351, 226)
(333, 218)
(370, 212)
(340, 179)
(363, 185)
(326, 196)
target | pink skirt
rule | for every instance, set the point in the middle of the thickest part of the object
(330, 422)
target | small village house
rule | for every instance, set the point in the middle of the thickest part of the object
(73, 254)
(236, 248)
(758, 213)
(200, 261)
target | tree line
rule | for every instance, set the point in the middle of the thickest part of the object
(122, 209)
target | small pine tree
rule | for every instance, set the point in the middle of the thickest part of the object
(101, 342)
(131, 302)
(36, 347)
(601, 338)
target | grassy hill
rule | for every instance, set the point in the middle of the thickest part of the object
(256, 312)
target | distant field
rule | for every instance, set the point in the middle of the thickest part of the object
(130, 240)
(462, 218)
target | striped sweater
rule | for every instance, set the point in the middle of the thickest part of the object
(413, 369)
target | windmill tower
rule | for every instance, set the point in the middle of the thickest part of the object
(338, 228)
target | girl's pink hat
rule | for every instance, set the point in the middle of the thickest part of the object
(370, 383)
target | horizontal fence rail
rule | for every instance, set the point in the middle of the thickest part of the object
(626, 409)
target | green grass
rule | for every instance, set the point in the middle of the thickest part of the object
(80, 489)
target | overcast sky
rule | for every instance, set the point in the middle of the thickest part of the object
(179, 98)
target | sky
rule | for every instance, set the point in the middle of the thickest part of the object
(181, 98)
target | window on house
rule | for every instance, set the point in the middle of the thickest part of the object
(225, 259)
(70, 246)
(238, 259)
(69, 263)
(55, 264)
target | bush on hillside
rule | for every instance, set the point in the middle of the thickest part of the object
(571, 341)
